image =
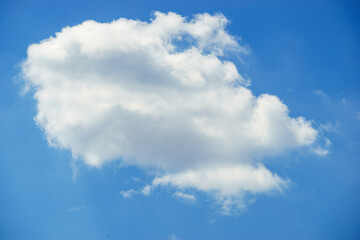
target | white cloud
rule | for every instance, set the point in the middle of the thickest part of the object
(160, 94)
(146, 190)
(128, 193)
(320, 93)
(322, 147)
(327, 142)
(328, 127)
(185, 196)
(75, 209)
(322, 152)
(229, 180)
(227, 185)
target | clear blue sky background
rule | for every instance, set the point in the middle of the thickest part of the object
(297, 48)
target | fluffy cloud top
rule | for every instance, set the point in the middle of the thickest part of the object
(159, 94)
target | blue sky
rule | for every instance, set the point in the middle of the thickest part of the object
(305, 53)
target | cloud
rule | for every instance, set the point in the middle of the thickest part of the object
(230, 180)
(185, 196)
(146, 190)
(320, 151)
(128, 193)
(320, 93)
(227, 185)
(322, 148)
(75, 209)
(328, 127)
(162, 95)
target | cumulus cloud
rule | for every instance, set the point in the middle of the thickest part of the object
(161, 94)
